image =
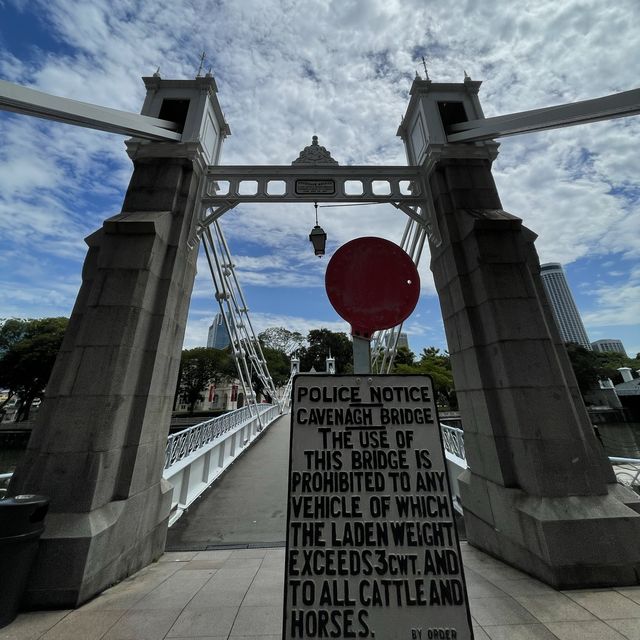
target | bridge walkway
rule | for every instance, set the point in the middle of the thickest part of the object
(246, 506)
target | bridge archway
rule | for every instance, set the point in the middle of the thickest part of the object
(537, 475)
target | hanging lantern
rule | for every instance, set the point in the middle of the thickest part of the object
(318, 237)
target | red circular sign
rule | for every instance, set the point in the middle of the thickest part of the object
(373, 284)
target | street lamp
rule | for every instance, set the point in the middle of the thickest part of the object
(318, 237)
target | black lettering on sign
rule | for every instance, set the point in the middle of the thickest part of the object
(340, 439)
(337, 481)
(401, 480)
(321, 623)
(359, 534)
(423, 461)
(423, 506)
(308, 534)
(325, 460)
(431, 481)
(326, 507)
(379, 459)
(335, 593)
(398, 416)
(441, 562)
(418, 534)
(446, 592)
(372, 549)
(374, 439)
(399, 394)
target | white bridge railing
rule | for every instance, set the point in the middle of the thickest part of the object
(627, 470)
(196, 456)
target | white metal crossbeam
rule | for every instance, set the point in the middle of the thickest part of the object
(299, 183)
(618, 105)
(19, 99)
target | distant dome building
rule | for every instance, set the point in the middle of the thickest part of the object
(563, 305)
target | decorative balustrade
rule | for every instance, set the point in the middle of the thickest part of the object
(196, 456)
(185, 442)
(627, 471)
(5, 478)
(453, 439)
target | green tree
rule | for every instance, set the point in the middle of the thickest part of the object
(589, 366)
(278, 364)
(321, 343)
(281, 339)
(28, 350)
(404, 356)
(198, 367)
(437, 365)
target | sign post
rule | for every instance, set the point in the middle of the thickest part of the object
(372, 549)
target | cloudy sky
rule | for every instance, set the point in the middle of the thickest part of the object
(340, 69)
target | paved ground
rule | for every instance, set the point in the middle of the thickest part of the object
(247, 505)
(237, 594)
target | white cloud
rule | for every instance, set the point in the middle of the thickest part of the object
(340, 69)
(616, 304)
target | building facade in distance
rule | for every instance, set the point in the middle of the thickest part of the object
(608, 345)
(218, 337)
(563, 305)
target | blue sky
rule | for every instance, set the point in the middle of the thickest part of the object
(340, 69)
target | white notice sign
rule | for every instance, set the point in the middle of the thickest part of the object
(372, 550)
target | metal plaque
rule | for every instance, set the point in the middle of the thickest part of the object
(372, 549)
(315, 187)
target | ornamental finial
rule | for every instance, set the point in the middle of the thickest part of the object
(315, 154)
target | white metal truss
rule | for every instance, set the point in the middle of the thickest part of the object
(385, 343)
(310, 183)
(245, 347)
(618, 105)
(19, 99)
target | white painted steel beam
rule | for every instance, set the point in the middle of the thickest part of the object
(312, 184)
(618, 105)
(19, 99)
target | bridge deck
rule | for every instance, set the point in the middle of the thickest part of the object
(247, 505)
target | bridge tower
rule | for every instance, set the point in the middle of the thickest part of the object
(539, 492)
(99, 443)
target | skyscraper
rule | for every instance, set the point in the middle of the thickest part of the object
(609, 345)
(563, 305)
(218, 335)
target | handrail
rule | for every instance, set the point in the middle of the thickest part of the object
(185, 442)
(627, 470)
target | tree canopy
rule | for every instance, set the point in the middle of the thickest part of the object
(28, 350)
(590, 366)
(281, 339)
(321, 343)
(198, 367)
(434, 363)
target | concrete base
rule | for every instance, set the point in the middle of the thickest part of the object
(82, 554)
(568, 542)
